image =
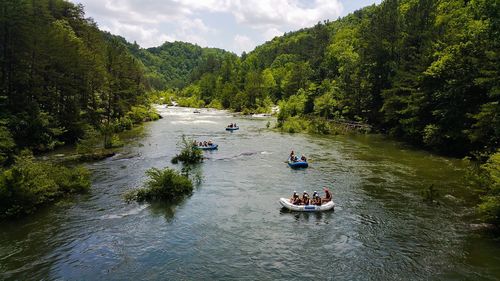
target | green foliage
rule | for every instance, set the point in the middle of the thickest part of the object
(90, 141)
(432, 135)
(326, 105)
(189, 153)
(29, 184)
(321, 126)
(59, 73)
(125, 123)
(162, 97)
(162, 185)
(215, 104)
(115, 142)
(7, 145)
(190, 102)
(139, 114)
(490, 201)
(295, 124)
(294, 106)
(486, 128)
(36, 129)
(424, 71)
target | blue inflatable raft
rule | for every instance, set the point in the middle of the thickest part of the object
(232, 128)
(298, 164)
(210, 147)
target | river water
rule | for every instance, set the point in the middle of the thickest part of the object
(232, 226)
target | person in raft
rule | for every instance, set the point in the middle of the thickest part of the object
(210, 143)
(295, 198)
(316, 199)
(230, 125)
(303, 158)
(292, 155)
(328, 196)
(305, 198)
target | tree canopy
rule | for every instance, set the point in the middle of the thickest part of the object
(425, 71)
(60, 74)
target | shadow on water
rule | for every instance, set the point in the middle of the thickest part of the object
(319, 217)
(166, 209)
(194, 172)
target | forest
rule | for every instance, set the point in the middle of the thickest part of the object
(422, 71)
(62, 81)
(60, 75)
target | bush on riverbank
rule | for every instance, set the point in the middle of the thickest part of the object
(98, 143)
(140, 114)
(189, 153)
(163, 185)
(317, 125)
(29, 184)
(294, 124)
(215, 104)
(190, 102)
(490, 199)
(7, 145)
(321, 126)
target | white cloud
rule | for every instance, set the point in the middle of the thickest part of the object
(150, 21)
(279, 13)
(272, 32)
(242, 43)
(147, 37)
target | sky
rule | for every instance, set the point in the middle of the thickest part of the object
(233, 25)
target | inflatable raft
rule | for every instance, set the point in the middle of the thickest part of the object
(210, 147)
(232, 128)
(298, 164)
(285, 202)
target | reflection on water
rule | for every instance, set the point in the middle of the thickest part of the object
(232, 226)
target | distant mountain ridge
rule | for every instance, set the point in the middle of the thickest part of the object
(173, 64)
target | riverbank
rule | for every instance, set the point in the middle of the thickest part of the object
(32, 183)
(321, 126)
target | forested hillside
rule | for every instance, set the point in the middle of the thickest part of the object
(425, 71)
(173, 64)
(60, 75)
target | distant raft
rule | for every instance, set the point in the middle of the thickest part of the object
(297, 164)
(208, 147)
(306, 208)
(232, 128)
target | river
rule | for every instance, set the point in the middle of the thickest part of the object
(232, 226)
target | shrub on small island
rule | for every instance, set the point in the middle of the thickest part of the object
(189, 153)
(163, 185)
